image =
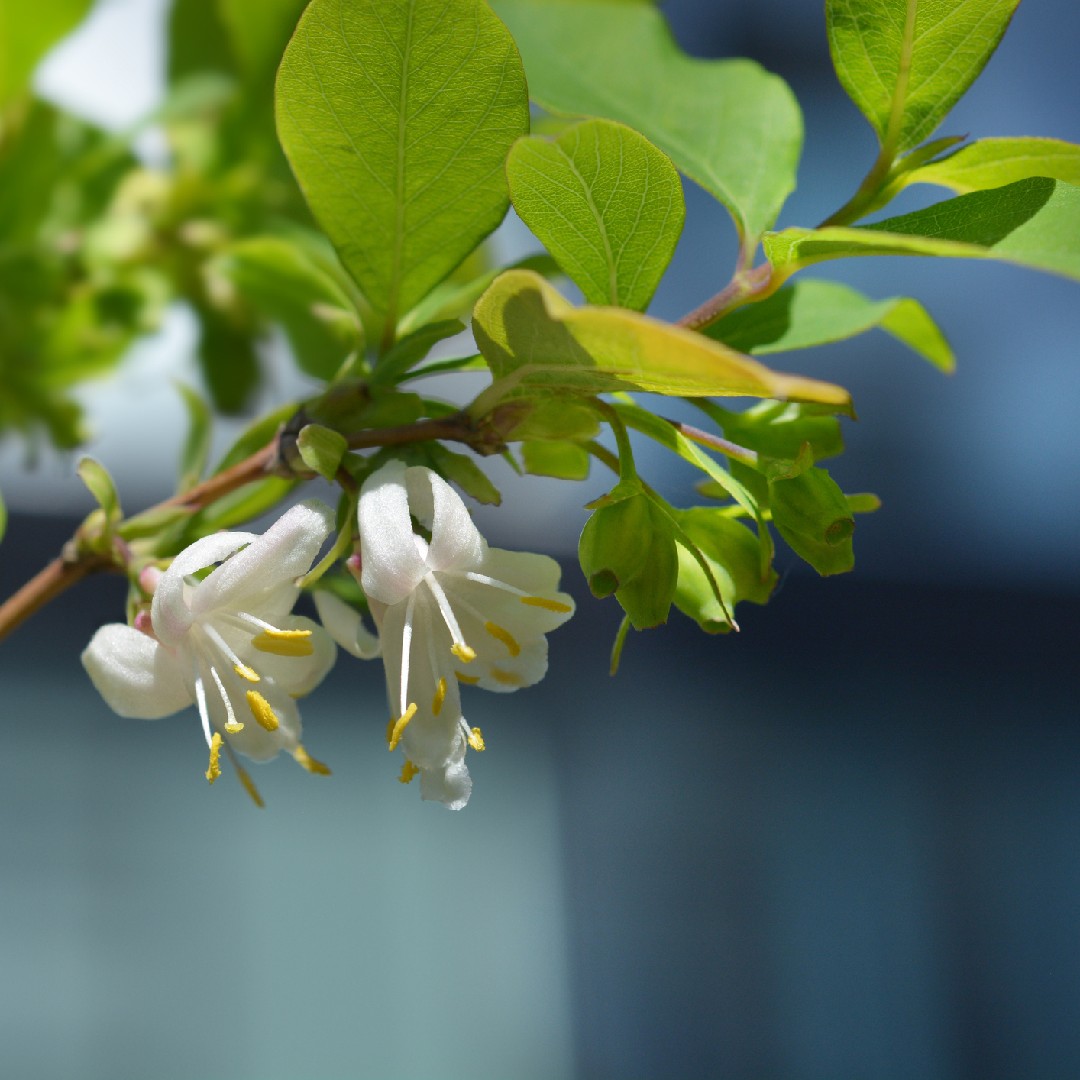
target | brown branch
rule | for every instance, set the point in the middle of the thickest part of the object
(742, 286)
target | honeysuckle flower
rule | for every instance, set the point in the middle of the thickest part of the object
(225, 642)
(449, 610)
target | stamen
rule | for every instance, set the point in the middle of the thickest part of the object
(507, 678)
(242, 776)
(232, 725)
(440, 697)
(213, 770)
(204, 715)
(463, 652)
(546, 604)
(499, 634)
(246, 673)
(476, 740)
(408, 771)
(234, 729)
(261, 710)
(284, 642)
(468, 680)
(406, 654)
(397, 727)
(302, 757)
(459, 648)
(238, 665)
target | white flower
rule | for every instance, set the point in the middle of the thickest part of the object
(449, 609)
(226, 643)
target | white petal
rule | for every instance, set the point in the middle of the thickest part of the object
(537, 575)
(137, 676)
(170, 613)
(392, 566)
(451, 785)
(298, 675)
(283, 553)
(456, 543)
(345, 625)
(254, 741)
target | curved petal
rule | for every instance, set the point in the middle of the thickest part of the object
(345, 625)
(456, 543)
(450, 785)
(284, 552)
(523, 617)
(537, 575)
(299, 675)
(170, 612)
(254, 740)
(392, 565)
(137, 676)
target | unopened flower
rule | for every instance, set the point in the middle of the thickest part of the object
(449, 610)
(225, 642)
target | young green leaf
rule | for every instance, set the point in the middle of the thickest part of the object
(605, 202)
(412, 348)
(397, 117)
(462, 470)
(905, 63)
(1033, 223)
(727, 124)
(535, 341)
(779, 431)
(991, 163)
(812, 515)
(321, 449)
(811, 313)
(196, 448)
(563, 460)
(100, 484)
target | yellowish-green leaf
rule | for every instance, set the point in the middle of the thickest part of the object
(1033, 223)
(535, 341)
(100, 484)
(27, 32)
(321, 449)
(991, 163)
(563, 460)
(605, 202)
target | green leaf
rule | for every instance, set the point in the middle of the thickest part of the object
(727, 124)
(247, 502)
(196, 449)
(991, 163)
(811, 313)
(397, 117)
(463, 471)
(1032, 223)
(321, 449)
(779, 431)
(287, 287)
(905, 63)
(100, 484)
(557, 419)
(563, 460)
(255, 437)
(605, 202)
(227, 357)
(27, 32)
(812, 515)
(536, 341)
(411, 349)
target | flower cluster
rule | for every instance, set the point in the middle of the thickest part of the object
(449, 610)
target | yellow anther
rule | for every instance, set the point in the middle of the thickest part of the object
(246, 673)
(234, 728)
(260, 709)
(476, 740)
(440, 697)
(408, 771)
(284, 642)
(508, 639)
(303, 758)
(507, 678)
(398, 726)
(213, 770)
(463, 653)
(544, 602)
(249, 785)
(468, 680)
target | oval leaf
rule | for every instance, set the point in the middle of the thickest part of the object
(397, 117)
(605, 202)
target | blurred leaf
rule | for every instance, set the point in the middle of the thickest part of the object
(3, 516)
(1033, 223)
(811, 313)
(412, 348)
(288, 288)
(779, 431)
(463, 471)
(812, 515)
(196, 449)
(255, 437)
(244, 504)
(227, 358)
(991, 163)
(27, 32)
(605, 202)
(402, 163)
(905, 63)
(321, 449)
(100, 484)
(727, 124)
(563, 460)
(557, 419)
(534, 340)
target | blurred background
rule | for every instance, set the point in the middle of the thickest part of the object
(844, 844)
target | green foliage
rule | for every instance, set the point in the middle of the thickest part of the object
(24, 41)
(812, 515)
(558, 458)
(100, 484)
(905, 63)
(196, 450)
(1032, 222)
(991, 163)
(321, 449)
(811, 313)
(606, 203)
(727, 124)
(397, 119)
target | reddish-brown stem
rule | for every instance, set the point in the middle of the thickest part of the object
(743, 285)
